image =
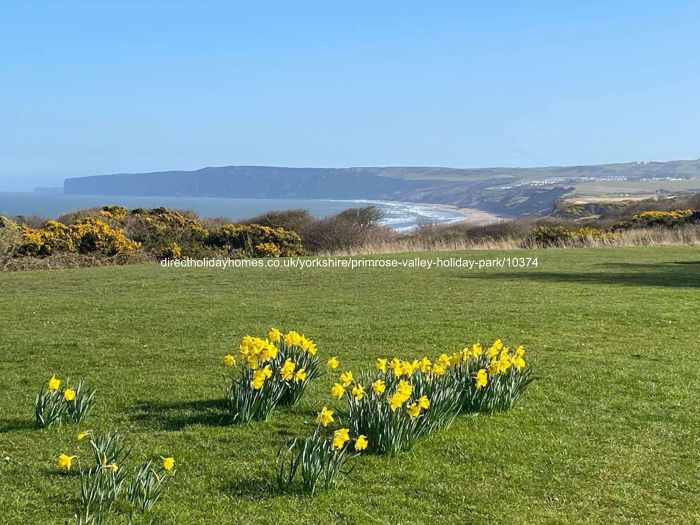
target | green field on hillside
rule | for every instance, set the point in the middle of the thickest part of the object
(609, 431)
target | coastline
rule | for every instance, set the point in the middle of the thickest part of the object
(474, 216)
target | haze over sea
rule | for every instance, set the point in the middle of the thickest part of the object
(397, 215)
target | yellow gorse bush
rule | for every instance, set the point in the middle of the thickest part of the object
(90, 235)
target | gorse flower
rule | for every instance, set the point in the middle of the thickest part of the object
(325, 417)
(333, 363)
(65, 462)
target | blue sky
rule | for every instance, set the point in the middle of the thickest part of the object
(104, 87)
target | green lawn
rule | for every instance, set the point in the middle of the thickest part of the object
(609, 432)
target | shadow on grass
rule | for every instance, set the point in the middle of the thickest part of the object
(177, 415)
(17, 424)
(206, 412)
(680, 274)
(254, 487)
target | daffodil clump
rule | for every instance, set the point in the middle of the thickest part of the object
(268, 372)
(299, 363)
(398, 402)
(57, 401)
(402, 400)
(319, 461)
(492, 380)
(107, 480)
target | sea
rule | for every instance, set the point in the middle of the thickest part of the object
(401, 216)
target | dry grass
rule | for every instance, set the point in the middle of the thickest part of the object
(689, 235)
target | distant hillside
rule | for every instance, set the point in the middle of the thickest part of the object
(505, 191)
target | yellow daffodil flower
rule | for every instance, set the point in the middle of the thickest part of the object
(54, 383)
(325, 417)
(358, 392)
(381, 365)
(65, 462)
(481, 379)
(346, 378)
(287, 370)
(361, 443)
(378, 387)
(274, 335)
(69, 394)
(340, 437)
(423, 402)
(337, 391)
(333, 363)
(168, 463)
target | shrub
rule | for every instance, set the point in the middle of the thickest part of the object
(349, 229)
(654, 218)
(551, 236)
(10, 237)
(88, 236)
(254, 240)
(96, 236)
(159, 229)
(297, 220)
(53, 237)
(115, 213)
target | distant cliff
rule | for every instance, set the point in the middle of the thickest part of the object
(504, 191)
(254, 182)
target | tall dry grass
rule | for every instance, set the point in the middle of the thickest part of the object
(688, 235)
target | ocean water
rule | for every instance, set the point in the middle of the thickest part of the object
(397, 215)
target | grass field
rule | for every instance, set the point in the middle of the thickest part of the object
(609, 432)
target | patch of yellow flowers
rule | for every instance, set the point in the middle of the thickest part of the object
(405, 399)
(270, 371)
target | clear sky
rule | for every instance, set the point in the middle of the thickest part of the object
(99, 87)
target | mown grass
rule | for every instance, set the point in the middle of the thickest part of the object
(608, 432)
